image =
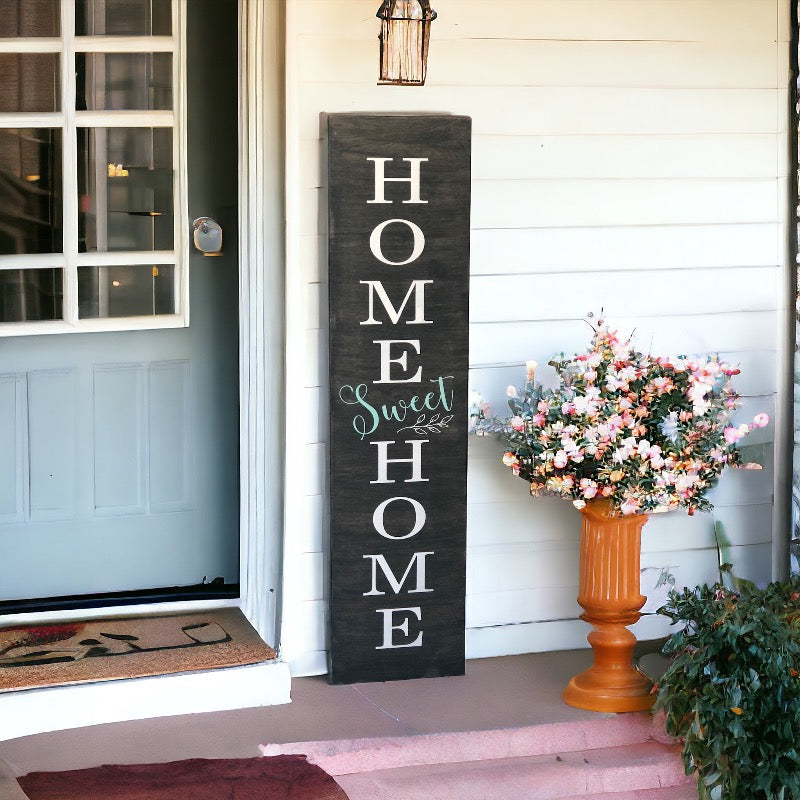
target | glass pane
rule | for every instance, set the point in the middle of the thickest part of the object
(123, 17)
(30, 295)
(30, 191)
(118, 81)
(128, 291)
(30, 82)
(29, 18)
(125, 187)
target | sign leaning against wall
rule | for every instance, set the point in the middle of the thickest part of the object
(398, 275)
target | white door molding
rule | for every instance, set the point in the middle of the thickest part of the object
(261, 313)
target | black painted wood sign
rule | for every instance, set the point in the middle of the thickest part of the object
(398, 274)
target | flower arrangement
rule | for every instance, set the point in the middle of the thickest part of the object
(647, 433)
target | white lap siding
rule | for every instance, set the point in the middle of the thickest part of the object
(628, 155)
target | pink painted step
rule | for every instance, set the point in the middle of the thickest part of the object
(610, 757)
(587, 773)
(343, 756)
(687, 791)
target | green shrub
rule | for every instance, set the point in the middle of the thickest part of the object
(732, 691)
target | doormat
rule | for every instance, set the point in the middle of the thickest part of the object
(81, 651)
(277, 778)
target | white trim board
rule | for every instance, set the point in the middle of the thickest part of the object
(57, 708)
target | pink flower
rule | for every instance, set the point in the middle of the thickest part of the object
(538, 420)
(542, 407)
(560, 460)
(630, 505)
(732, 435)
(510, 460)
(531, 367)
(761, 420)
(568, 408)
(517, 423)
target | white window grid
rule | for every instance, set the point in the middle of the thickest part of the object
(69, 120)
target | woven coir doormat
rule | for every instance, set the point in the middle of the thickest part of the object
(80, 651)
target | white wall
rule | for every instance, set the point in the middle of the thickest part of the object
(629, 156)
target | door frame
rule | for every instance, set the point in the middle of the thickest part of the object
(261, 312)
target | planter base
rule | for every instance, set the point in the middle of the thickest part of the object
(612, 690)
(610, 597)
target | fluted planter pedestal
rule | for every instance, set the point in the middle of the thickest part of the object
(610, 596)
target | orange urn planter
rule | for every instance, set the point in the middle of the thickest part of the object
(609, 593)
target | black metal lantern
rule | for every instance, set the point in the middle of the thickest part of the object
(404, 36)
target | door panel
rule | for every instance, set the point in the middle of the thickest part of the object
(119, 457)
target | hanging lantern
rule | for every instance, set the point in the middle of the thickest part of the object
(404, 36)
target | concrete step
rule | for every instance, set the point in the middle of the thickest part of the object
(343, 756)
(589, 773)
(611, 757)
(687, 791)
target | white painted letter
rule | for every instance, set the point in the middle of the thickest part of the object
(389, 626)
(417, 288)
(415, 461)
(397, 586)
(375, 242)
(419, 518)
(380, 179)
(402, 360)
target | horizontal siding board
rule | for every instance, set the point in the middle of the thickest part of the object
(614, 20)
(535, 637)
(313, 521)
(538, 604)
(510, 250)
(610, 156)
(544, 204)
(523, 566)
(677, 531)
(526, 520)
(579, 203)
(535, 62)
(710, 291)
(522, 110)
(509, 341)
(752, 562)
(602, 156)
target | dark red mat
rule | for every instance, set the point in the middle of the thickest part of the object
(273, 778)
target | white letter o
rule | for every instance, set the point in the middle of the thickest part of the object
(375, 242)
(419, 519)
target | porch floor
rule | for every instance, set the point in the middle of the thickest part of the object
(495, 693)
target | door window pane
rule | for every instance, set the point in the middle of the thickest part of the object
(126, 291)
(120, 81)
(123, 17)
(125, 187)
(30, 295)
(29, 18)
(29, 82)
(30, 191)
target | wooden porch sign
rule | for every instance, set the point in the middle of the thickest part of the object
(398, 216)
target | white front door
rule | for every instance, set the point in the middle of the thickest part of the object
(119, 427)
